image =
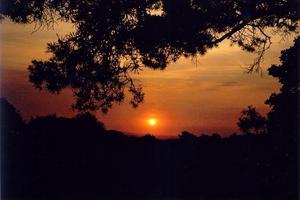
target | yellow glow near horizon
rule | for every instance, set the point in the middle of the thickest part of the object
(152, 121)
(174, 97)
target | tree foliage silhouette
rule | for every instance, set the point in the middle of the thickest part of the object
(284, 114)
(113, 39)
(251, 121)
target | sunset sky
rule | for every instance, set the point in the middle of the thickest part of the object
(201, 95)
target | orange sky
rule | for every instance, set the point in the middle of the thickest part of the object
(203, 95)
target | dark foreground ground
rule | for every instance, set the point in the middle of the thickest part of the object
(60, 158)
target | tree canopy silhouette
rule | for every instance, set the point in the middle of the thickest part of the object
(113, 39)
(251, 121)
(284, 114)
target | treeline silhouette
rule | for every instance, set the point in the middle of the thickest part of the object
(77, 158)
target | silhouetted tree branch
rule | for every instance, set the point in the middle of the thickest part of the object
(114, 39)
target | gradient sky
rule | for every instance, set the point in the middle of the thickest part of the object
(203, 95)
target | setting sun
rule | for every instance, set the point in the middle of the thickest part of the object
(152, 121)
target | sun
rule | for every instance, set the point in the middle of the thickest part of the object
(152, 121)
